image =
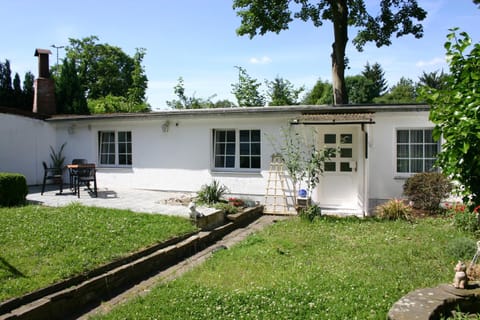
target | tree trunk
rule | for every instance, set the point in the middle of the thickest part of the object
(340, 26)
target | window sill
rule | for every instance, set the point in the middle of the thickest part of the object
(236, 172)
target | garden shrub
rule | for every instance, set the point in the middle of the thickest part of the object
(309, 213)
(13, 189)
(226, 207)
(425, 190)
(466, 220)
(393, 210)
(461, 249)
(211, 193)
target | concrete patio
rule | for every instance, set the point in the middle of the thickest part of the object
(137, 200)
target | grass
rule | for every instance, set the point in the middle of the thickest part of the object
(328, 269)
(40, 245)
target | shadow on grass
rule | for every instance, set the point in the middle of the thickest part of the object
(7, 266)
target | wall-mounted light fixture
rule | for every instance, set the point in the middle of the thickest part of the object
(165, 126)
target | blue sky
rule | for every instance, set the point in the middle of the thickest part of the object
(196, 39)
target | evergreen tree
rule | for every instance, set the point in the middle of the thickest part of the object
(6, 90)
(28, 90)
(404, 91)
(376, 75)
(17, 93)
(69, 94)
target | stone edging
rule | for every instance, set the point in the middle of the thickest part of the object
(67, 298)
(434, 303)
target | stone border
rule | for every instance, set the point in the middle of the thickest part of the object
(71, 297)
(434, 303)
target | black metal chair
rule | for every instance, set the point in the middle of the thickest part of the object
(85, 175)
(73, 172)
(54, 174)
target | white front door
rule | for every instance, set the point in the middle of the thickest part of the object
(340, 186)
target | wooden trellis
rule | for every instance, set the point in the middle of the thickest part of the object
(275, 196)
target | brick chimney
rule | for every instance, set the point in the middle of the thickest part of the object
(44, 97)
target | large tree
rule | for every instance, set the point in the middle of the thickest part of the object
(282, 92)
(69, 94)
(107, 71)
(454, 110)
(395, 17)
(247, 90)
(320, 94)
(376, 75)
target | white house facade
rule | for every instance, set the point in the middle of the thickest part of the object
(181, 150)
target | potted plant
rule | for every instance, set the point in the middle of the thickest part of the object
(58, 159)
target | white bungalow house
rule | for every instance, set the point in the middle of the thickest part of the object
(181, 150)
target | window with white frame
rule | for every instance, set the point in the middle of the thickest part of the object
(416, 150)
(236, 149)
(115, 148)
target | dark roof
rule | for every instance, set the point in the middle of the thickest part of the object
(305, 109)
(42, 51)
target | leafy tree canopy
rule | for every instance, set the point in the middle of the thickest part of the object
(247, 90)
(404, 91)
(397, 18)
(282, 92)
(321, 93)
(454, 110)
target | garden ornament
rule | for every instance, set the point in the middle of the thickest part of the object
(194, 214)
(475, 257)
(460, 280)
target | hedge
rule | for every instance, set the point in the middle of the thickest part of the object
(13, 189)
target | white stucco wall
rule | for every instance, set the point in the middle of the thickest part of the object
(179, 159)
(384, 183)
(24, 144)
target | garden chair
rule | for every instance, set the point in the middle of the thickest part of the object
(54, 174)
(73, 171)
(85, 175)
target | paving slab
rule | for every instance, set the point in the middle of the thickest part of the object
(137, 200)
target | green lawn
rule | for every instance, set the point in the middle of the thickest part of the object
(329, 269)
(42, 245)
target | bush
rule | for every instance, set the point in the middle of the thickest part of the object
(309, 213)
(212, 193)
(393, 210)
(466, 220)
(461, 249)
(13, 189)
(227, 208)
(426, 190)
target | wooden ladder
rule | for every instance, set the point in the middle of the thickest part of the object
(275, 197)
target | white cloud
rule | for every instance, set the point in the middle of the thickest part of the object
(262, 60)
(434, 62)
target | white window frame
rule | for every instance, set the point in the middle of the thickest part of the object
(116, 151)
(409, 145)
(236, 166)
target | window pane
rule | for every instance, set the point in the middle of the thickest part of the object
(255, 135)
(346, 138)
(330, 138)
(402, 151)
(219, 161)
(244, 136)
(416, 136)
(330, 166)
(429, 136)
(430, 165)
(122, 159)
(255, 149)
(230, 162)
(230, 149)
(431, 150)
(255, 163)
(417, 165)
(345, 167)
(220, 148)
(244, 162)
(230, 136)
(402, 136)
(416, 151)
(345, 152)
(402, 166)
(244, 149)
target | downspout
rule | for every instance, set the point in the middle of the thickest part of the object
(365, 131)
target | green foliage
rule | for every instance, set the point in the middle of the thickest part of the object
(359, 89)
(434, 80)
(193, 102)
(46, 245)
(464, 219)
(427, 189)
(11, 93)
(211, 193)
(57, 157)
(404, 91)
(454, 110)
(310, 212)
(397, 18)
(106, 71)
(327, 269)
(111, 104)
(226, 207)
(247, 90)
(394, 209)
(69, 94)
(376, 75)
(321, 93)
(282, 92)
(13, 189)
(461, 248)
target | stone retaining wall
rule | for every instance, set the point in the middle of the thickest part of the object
(435, 303)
